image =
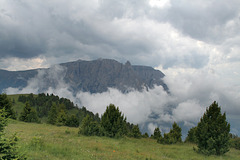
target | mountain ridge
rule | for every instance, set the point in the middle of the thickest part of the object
(94, 76)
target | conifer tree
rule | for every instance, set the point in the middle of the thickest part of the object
(174, 136)
(136, 132)
(61, 118)
(7, 106)
(157, 133)
(191, 137)
(113, 122)
(89, 127)
(72, 121)
(213, 132)
(28, 114)
(176, 132)
(8, 148)
(52, 115)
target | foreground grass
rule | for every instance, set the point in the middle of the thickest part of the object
(43, 141)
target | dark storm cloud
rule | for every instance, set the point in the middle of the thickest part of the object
(25, 29)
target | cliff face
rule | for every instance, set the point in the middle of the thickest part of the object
(93, 76)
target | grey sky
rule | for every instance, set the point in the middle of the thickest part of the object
(195, 43)
(150, 32)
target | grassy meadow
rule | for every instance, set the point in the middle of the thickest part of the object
(44, 141)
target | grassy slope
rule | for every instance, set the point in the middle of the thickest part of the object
(43, 141)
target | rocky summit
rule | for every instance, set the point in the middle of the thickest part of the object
(89, 76)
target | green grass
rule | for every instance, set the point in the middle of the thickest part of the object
(43, 141)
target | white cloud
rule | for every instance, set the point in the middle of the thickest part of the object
(135, 105)
(160, 3)
(151, 127)
(190, 112)
(14, 63)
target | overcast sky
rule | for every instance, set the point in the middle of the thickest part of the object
(195, 43)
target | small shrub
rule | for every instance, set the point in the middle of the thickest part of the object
(67, 131)
(235, 143)
(37, 143)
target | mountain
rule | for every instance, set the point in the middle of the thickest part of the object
(89, 76)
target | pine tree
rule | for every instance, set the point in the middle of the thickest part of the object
(136, 132)
(52, 115)
(28, 114)
(8, 148)
(213, 132)
(174, 136)
(145, 135)
(72, 121)
(61, 118)
(191, 137)
(113, 122)
(176, 132)
(89, 127)
(157, 133)
(7, 105)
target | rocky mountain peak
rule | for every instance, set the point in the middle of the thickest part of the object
(92, 76)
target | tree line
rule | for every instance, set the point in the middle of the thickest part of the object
(57, 111)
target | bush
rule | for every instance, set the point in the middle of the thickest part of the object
(89, 127)
(145, 135)
(235, 143)
(37, 143)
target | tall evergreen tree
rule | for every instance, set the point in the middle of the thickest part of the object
(136, 132)
(176, 132)
(52, 115)
(28, 114)
(113, 122)
(7, 105)
(213, 131)
(191, 137)
(61, 118)
(157, 133)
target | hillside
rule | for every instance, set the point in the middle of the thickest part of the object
(89, 76)
(43, 141)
